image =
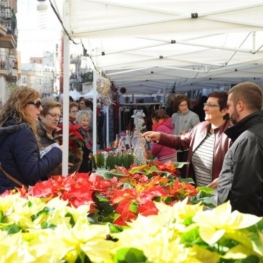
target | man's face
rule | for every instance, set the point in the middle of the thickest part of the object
(232, 110)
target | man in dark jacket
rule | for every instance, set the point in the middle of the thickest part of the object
(241, 178)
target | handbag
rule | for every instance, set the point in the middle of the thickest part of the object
(12, 178)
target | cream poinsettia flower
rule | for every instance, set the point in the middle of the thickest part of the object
(220, 220)
(158, 236)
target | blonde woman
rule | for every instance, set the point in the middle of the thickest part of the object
(19, 152)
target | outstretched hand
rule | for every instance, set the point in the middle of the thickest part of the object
(151, 136)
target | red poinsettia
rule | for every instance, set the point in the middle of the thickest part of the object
(120, 199)
(76, 140)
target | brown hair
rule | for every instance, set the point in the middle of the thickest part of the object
(159, 114)
(221, 97)
(180, 98)
(73, 104)
(248, 92)
(15, 107)
(47, 104)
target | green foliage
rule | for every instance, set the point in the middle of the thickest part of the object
(121, 159)
(100, 160)
(12, 229)
(129, 255)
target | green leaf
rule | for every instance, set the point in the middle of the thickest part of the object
(71, 221)
(2, 217)
(133, 208)
(138, 169)
(46, 225)
(45, 210)
(191, 237)
(180, 165)
(115, 228)
(82, 258)
(129, 255)
(186, 180)
(12, 229)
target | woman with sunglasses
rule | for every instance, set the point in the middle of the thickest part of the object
(19, 152)
(207, 142)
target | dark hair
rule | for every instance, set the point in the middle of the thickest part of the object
(248, 92)
(159, 114)
(221, 97)
(73, 104)
(180, 98)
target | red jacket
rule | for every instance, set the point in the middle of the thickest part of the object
(191, 140)
(160, 150)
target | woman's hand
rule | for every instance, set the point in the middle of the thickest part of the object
(152, 136)
(214, 183)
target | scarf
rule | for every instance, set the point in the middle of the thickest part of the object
(85, 135)
(157, 124)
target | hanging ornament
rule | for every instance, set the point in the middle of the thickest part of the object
(104, 87)
(123, 90)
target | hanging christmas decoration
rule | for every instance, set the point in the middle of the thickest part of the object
(104, 87)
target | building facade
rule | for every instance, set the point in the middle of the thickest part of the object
(9, 59)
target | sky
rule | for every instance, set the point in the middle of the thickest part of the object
(38, 31)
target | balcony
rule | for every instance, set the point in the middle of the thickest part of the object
(75, 59)
(8, 68)
(8, 31)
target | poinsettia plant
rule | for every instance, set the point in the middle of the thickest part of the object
(120, 195)
(76, 141)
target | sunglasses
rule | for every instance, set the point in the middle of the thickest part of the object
(37, 103)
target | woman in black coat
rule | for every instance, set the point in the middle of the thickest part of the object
(19, 152)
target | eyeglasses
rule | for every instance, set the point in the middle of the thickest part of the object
(53, 115)
(37, 103)
(211, 105)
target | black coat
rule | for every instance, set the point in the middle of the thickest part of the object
(20, 157)
(241, 178)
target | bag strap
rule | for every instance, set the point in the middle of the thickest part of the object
(10, 176)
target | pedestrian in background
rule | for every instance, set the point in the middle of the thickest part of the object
(73, 109)
(162, 123)
(83, 120)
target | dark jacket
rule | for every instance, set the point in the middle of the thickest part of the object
(193, 139)
(86, 164)
(20, 157)
(241, 179)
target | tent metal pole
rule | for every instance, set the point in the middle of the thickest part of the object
(94, 139)
(65, 94)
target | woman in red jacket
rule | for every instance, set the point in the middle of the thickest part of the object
(162, 123)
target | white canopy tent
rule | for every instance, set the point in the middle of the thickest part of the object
(147, 45)
(75, 94)
(91, 94)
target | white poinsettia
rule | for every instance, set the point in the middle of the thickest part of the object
(220, 220)
(157, 236)
(90, 239)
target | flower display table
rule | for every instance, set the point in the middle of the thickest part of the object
(141, 214)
